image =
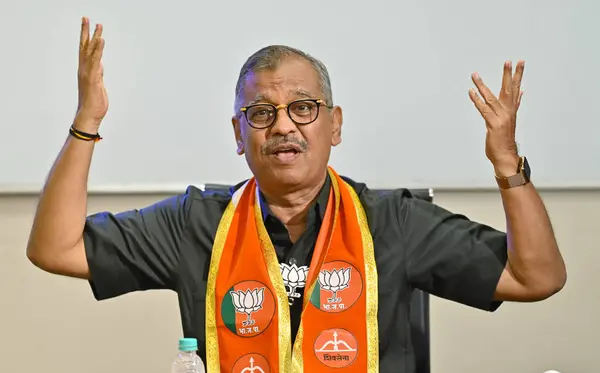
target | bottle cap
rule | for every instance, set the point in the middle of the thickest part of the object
(188, 344)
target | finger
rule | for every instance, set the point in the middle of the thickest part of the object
(94, 42)
(519, 100)
(517, 78)
(487, 94)
(96, 57)
(84, 37)
(486, 112)
(505, 91)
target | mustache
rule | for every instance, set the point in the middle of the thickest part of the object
(274, 142)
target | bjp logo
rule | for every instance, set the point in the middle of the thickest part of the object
(294, 278)
(338, 287)
(248, 308)
(248, 302)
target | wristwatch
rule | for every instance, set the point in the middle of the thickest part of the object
(520, 178)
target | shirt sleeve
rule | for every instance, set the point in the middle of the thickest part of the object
(449, 255)
(135, 250)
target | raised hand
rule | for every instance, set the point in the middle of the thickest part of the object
(500, 115)
(93, 100)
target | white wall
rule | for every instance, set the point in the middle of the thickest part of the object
(400, 69)
(51, 324)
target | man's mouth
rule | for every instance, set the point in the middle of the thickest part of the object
(286, 156)
(286, 153)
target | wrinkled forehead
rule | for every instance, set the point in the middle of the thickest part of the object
(290, 81)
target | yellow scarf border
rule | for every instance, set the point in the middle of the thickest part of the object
(212, 340)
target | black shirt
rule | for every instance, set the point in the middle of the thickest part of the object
(417, 245)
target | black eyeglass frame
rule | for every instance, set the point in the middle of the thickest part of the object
(276, 109)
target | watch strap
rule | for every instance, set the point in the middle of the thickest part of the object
(518, 179)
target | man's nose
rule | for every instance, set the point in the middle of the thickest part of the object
(283, 123)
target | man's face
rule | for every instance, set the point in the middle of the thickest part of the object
(287, 153)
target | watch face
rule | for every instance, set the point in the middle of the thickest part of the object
(526, 169)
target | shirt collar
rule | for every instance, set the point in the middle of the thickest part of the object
(319, 206)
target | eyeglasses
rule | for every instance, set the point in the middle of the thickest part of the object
(261, 116)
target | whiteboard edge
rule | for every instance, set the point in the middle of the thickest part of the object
(170, 189)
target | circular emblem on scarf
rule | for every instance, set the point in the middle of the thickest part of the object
(336, 348)
(338, 287)
(248, 308)
(251, 363)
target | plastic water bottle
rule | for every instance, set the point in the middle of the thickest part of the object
(187, 360)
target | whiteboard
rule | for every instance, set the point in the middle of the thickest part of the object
(399, 69)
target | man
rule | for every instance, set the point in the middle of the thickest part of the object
(348, 257)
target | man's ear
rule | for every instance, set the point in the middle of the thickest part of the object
(338, 119)
(238, 135)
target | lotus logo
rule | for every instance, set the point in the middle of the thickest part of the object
(248, 302)
(334, 281)
(294, 277)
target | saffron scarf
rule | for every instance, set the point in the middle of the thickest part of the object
(247, 310)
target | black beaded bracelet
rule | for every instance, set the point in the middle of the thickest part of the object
(84, 136)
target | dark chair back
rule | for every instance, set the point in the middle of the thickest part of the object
(419, 305)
